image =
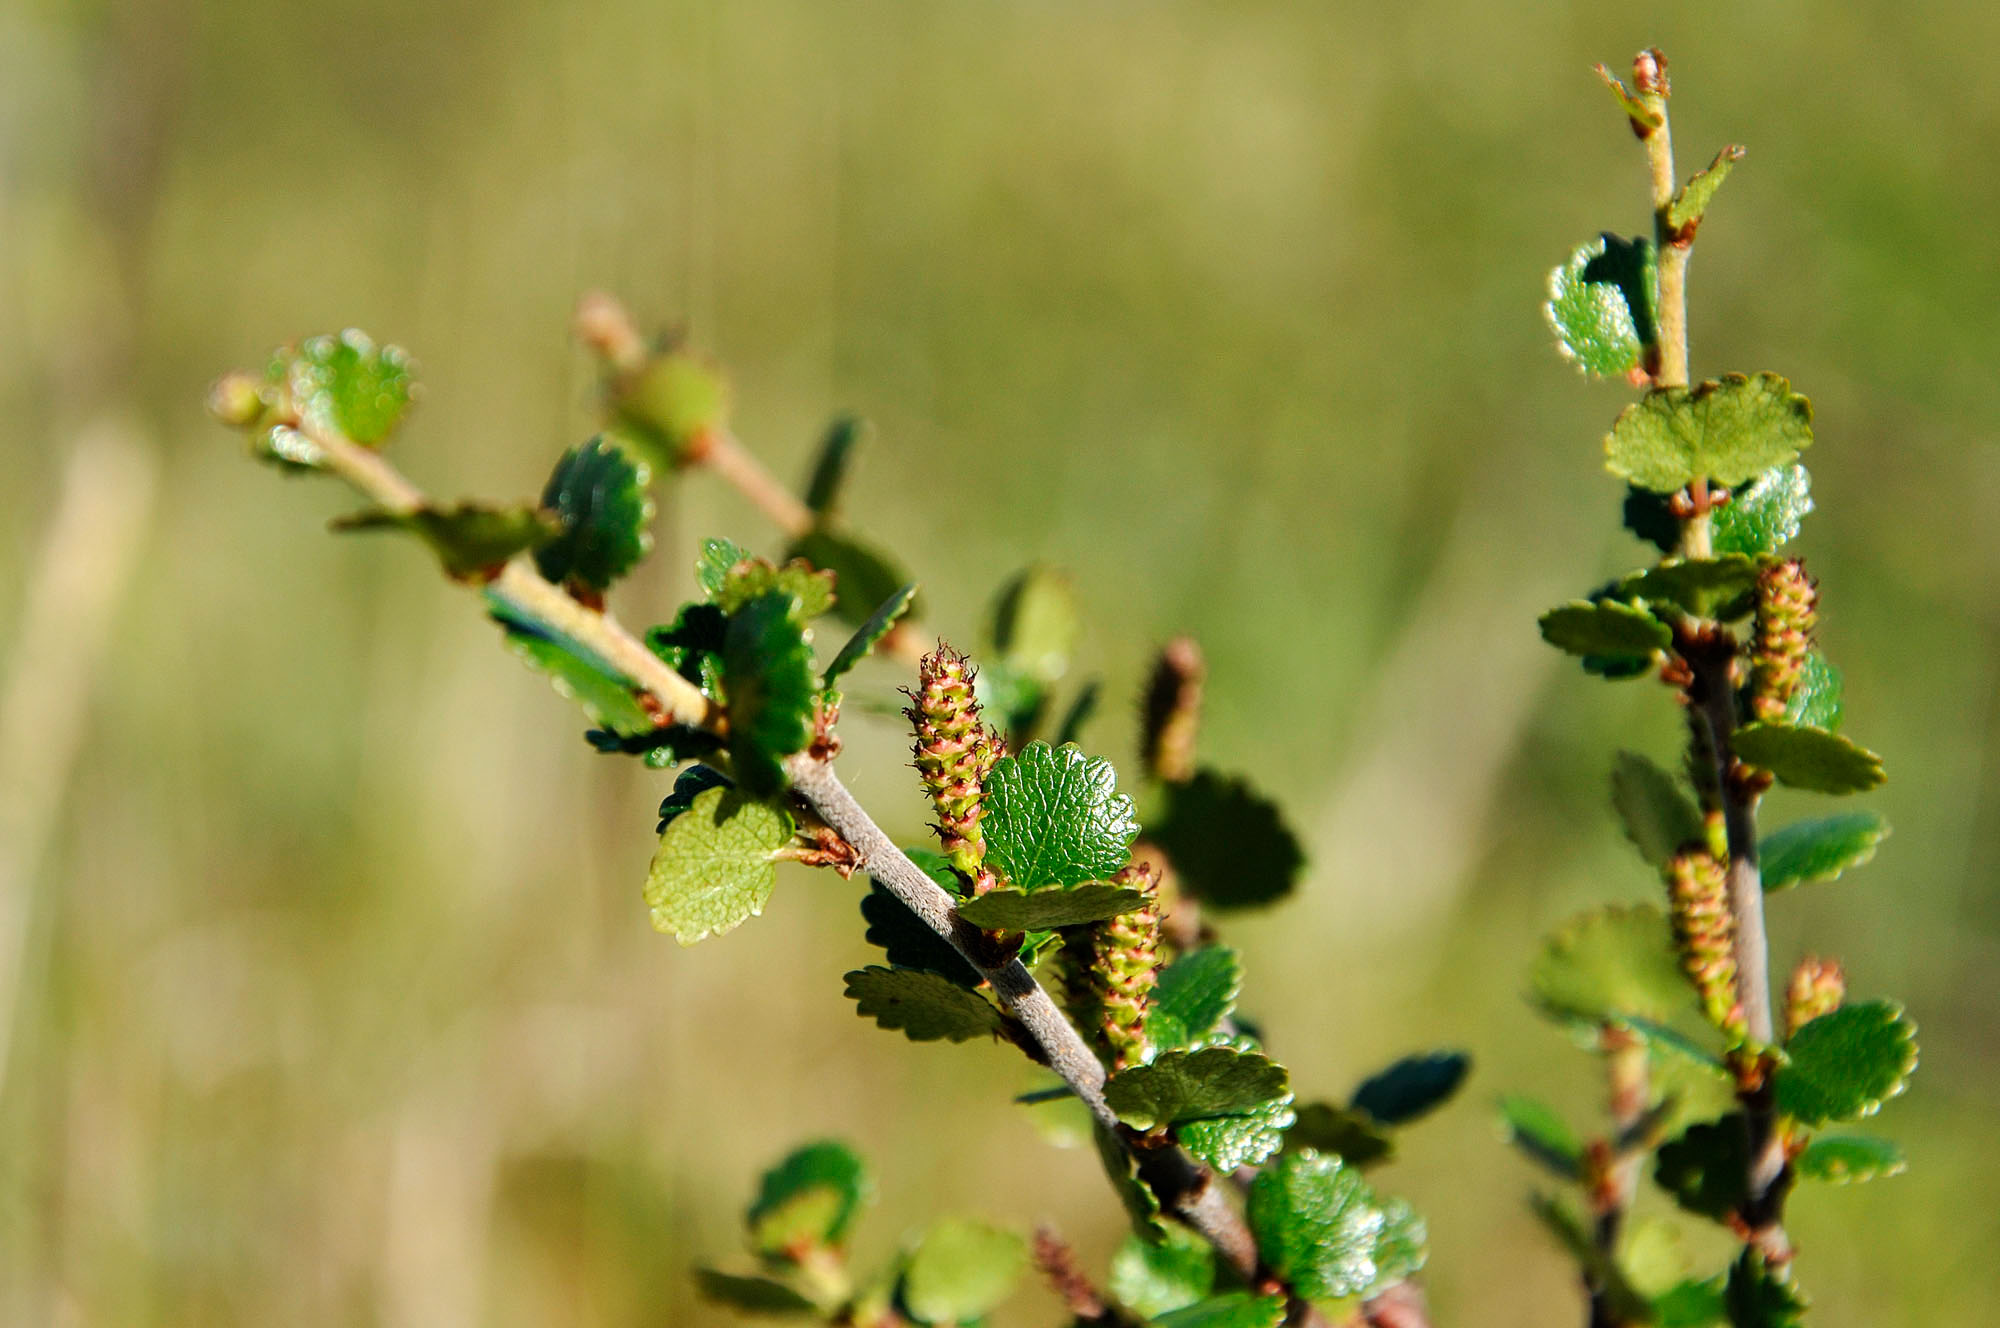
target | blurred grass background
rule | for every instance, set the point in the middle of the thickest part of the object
(336, 1000)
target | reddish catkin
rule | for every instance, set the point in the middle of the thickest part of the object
(954, 752)
(1172, 711)
(1705, 933)
(1786, 599)
(1818, 986)
(1125, 968)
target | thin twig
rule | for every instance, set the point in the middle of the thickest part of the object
(722, 453)
(1626, 1068)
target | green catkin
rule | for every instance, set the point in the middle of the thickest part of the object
(954, 752)
(1125, 968)
(1705, 933)
(1786, 600)
(1818, 986)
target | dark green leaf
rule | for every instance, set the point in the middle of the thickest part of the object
(752, 1295)
(1613, 961)
(869, 633)
(1190, 1085)
(1764, 514)
(718, 556)
(716, 864)
(670, 404)
(1232, 1309)
(1844, 1159)
(960, 1270)
(1846, 1064)
(767, 673)
(863, 576)
(1035, 624)
(1413, 1086)
(471, 540)
(1605, 627)
(347, 385)
(1151, 1278)
(689, 785)
(1349, 1135)
(1054, 817)
(1691, 1303)
(1807, 852)
(923, 1006)
(1649, 516)
(1728, 430)
(1142, 1206)
(1601, 305)
(1816, 700)
(574, 669)
(598, 494)
(1017, 910)
(1658, 816)
(1706, 1168)
(1324, 1231)
(1195, 993)
(1080, 712)
(1243, 1139)
(1538, 1131)
(1809, 758)
(904, 937)
(1684, 213)
(830, 468)
(1759, 1296)
(1229, 844)
(1719, 587)
(809, 1199)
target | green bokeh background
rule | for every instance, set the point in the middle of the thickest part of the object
(337, 1003)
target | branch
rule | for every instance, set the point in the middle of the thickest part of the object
(1184, 1187)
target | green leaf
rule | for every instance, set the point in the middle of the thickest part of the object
(1718, 587)
(1345, 1133)
(716, 865)
(1706, 1169)
(1323, 1230)
(1763, 515)
(347, 384)
(1151, 1278)
(1121, 1166)
(471, 540)
(598, 494)
(1229, 844)
(1190, 1085)
(1846, 1064)
(755, 577)
(1845, 1159)
(1728, 430)
(690, 784)
(1601, 305)
(1605, 627)
(1691, 1303)
(1413, 1086)
(1816, 700)
(1054, 817)
(1012, 698)
(869, 634)
(575, 670)
(809, 1199)
(923, 1006)
(670, 404)
(1810, 758)
(1194, 994)
(960, 1270)
(1243, 1139)
(1536, 1129)
(1685, 211)
(718, 558)
(1612, 961)
(1017, 910)
(1759, 1296)
(863, 576)
(1231, 1309)
(830, 467)
(1807, 852)
(1035, 624)
(752, 1295)
(1662, 1037)
(1658, 816)
(1650, 516)
(767, 673)
(1080, 712)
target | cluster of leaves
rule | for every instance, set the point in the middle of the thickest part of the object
(1715, 484)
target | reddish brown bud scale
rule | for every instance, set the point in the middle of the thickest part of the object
(1818, 986)
(954, 752)
(1705, 933)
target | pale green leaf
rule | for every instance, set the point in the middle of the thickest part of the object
(716, 865)
(1809, 758)
(809, 1199)
(1604, 627)
(1658, 815)
(1601, 305)
(1728, 430)
(1844, 1159)
(961, 1270)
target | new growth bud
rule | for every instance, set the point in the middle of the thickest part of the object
(1705, 933)
(1173, 711)
(954, 752)
(1786, 602)
(1125, 969)
(1818, 986)
(237, 400)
